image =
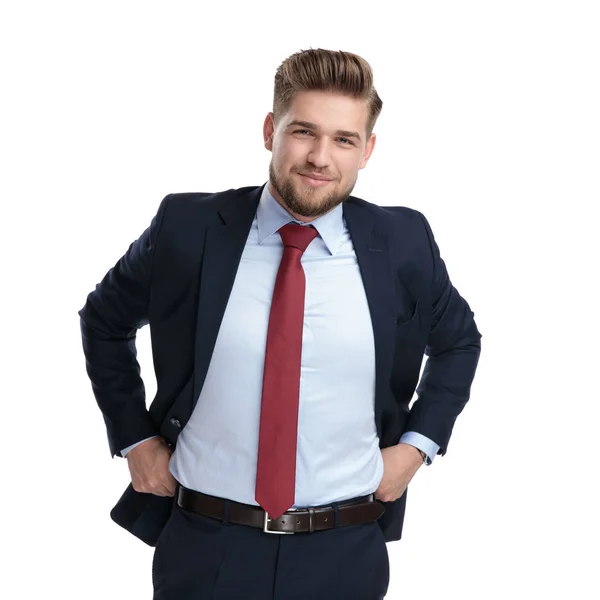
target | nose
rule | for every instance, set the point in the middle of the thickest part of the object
(319, 154)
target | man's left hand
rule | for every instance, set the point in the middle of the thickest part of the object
(400, 463)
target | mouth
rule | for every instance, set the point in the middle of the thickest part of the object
(315, 181)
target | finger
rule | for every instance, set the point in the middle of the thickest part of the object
(167, 489)
(156, 487)
(171, 485)
(164, 490)
(160, 491)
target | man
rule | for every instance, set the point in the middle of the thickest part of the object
(289, 323)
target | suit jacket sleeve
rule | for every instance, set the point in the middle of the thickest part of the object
(453, 348)
(109, 321)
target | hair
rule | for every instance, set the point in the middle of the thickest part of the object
(327, 70)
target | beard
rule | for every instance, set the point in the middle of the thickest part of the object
(307, 202)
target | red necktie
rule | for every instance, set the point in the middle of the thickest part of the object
(278, 435)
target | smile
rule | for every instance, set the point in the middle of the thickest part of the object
(315, 182)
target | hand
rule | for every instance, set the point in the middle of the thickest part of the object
(400, 463)
(149, 468)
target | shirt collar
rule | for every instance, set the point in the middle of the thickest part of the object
(271, 216)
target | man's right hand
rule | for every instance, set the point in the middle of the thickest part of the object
(149, 468)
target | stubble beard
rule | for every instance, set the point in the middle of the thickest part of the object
(311, 202)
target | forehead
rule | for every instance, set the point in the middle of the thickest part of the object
(328, 110)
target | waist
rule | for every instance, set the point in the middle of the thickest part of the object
(362, 509)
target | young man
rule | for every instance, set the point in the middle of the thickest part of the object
(289, 323)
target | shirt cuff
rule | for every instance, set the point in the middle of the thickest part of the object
(422, 443)
(126, 450)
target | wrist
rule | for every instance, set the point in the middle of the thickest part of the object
(419, 454)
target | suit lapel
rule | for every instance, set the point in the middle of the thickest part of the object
(372, 252)
(224, 245)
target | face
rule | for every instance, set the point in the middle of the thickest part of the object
(323, 134)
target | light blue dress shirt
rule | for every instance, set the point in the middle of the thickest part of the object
(338, 455)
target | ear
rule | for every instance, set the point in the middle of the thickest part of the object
(269, 131)
(368, 150)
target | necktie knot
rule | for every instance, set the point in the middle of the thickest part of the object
(297, 236)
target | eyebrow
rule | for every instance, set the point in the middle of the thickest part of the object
(309, 125)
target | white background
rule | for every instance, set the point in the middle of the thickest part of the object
(490, 127)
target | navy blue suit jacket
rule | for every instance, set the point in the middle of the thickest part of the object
(177, 277)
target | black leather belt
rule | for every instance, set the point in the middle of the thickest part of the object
(353, 512)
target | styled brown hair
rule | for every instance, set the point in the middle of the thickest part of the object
(327, 70)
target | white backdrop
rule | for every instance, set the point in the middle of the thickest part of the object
(490, 127)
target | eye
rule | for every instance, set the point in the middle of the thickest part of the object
(346, 140)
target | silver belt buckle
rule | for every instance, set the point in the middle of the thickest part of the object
(266, 526)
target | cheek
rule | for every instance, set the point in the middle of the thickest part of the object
(286, 159)
(294, 154)
(350, 168)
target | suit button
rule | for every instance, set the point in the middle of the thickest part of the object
(175, 422)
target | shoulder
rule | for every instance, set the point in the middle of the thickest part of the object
(184, 204)
(392, 215)
(182, 200)
(208, 198)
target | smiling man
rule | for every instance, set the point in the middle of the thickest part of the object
(289, 323)
(315, 164)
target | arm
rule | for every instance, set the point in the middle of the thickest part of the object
(453, 348)
(109, 321)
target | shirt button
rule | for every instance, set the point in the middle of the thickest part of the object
(175, 422)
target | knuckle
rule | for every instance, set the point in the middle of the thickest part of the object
(137, 486)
